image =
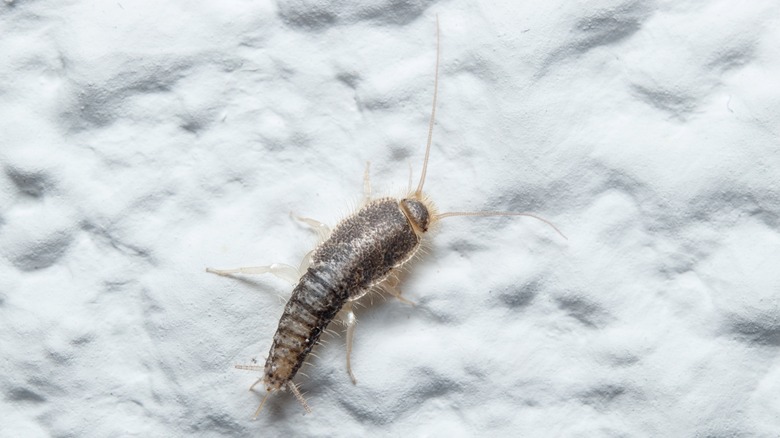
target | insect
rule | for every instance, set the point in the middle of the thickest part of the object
(363, 252)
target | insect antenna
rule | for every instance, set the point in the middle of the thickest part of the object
(418, 192)
(499, 213)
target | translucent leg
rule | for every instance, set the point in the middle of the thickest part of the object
(285, 272)
(409, 189)
(367, 184)
(322, 230)
(305, 262)
(391, 286)
(349, 320)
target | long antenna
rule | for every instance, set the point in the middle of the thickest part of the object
(433, 115)
(418, 192)
(500, 213)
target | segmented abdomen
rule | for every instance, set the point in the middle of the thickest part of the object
(312, 306)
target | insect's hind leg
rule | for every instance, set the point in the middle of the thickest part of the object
(285, 272)
(347, 316)
(291, 274)
(288, 273)
(349, 320)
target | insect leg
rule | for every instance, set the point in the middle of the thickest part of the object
(367, 184)
(349, 320)
(281, 270)
(409, 187)
(285, 272)
(391, 286)
(305, 262)
(322, 230)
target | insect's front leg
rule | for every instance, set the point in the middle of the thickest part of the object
(367, 184)
(323, 231)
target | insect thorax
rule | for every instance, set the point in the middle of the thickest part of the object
(367, 245)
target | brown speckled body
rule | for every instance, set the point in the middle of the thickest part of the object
(361, 252)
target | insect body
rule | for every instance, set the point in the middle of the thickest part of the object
(364, 251)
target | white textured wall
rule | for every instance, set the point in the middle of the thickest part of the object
(142, 141)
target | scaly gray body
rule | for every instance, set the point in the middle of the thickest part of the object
(361, 252)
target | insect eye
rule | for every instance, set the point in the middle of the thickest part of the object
(417, 213)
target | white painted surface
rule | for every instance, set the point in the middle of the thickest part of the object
(143, 141)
